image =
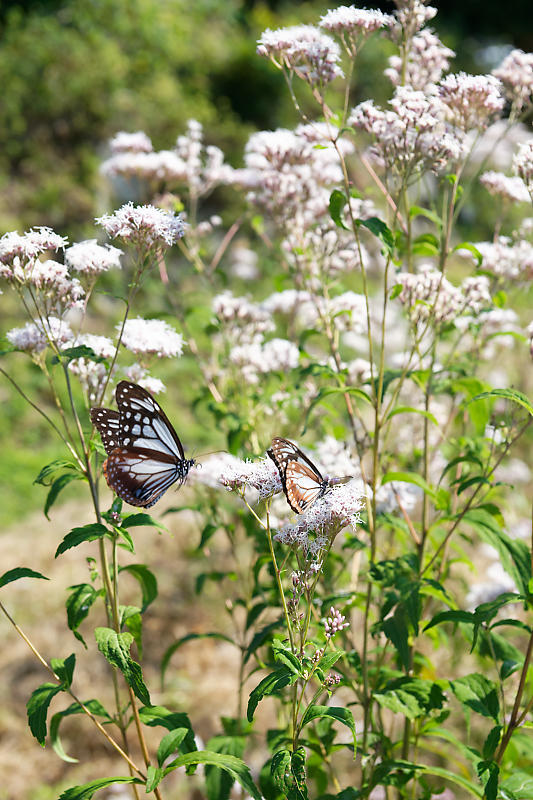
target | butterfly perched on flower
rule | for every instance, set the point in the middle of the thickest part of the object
(144, 453)
(302, 482)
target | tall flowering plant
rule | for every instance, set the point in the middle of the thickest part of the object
(346, 304)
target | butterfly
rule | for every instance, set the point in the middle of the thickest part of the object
(144, 453)
(302, 482)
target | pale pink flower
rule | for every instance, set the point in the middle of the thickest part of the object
(140, 375)
(151, 337)
(516, 73)
(137, 142)
(29, 245)
(145, 226)
(93, 375)
(305, 49)
(426, 60)
(334, 623)
(472, 101)
(512, 189)
(35, 336)
(90, 258)
(354, 24)
(261, 475)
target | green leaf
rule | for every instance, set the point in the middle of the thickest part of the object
(514, 553)
(116, 649)
(492, 741)
(86, 791)
(57, 487)
(189, 638)
(81, 351)
(343, 715)
(519, 785)
(426, 244)
(170, 743)
(37, 708)
(337, 201)
(260, 638)
(20, 572)
(234, 766)
(508, 394)
(418, 211)
(337, 390)
(154, 776)
(287, 774)
(478, 693)
(218, 781)
(273, 683)
(379, 229)
(64, 669)
(454, 616)
(78, 606)
(409, 477)
(396, 630)
(155, 716)
(329, 659)
(147, 582)
(472, 249)
(86, 533)
(94, 706)
(410, 410)
(45, 475)
(284, 655)
(137, 520)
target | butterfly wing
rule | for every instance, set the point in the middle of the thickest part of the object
(301, 486)
(107, 422)
(139, 477)
(144, 424)
(301, 480)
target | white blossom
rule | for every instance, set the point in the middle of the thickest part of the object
(471, 101)
(29, 245)
(91, 258)
(523, 164)
(508, 188)
(152, 337)
(35, 336)
(313, 55)
(426, 60)
(137, 374)
(137, 142)
(516, 73)
(146, 225)
(261, 475)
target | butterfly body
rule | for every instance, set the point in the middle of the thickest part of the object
(145, 454)
(303, 483)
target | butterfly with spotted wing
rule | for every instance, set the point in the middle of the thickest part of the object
(302, 482)
(144, 453)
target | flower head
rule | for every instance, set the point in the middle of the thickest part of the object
(91, 258)
(151, 337)
(334, 623)
(516, 74)
(123, 142)
(305, 49)
(147, 225)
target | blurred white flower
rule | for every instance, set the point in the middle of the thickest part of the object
(153, 337)
(91, 258)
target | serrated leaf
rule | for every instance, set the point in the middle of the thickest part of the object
(286, 778)
(412, 697)
(37, 708)
(337, 201)
(492, 741)
(138, 520)
(235, 766)
(260, 638)
(87, 790)
(86, 533)
(154, 776)
(340, 714)
(46, 473)
(64, 669)
(20, 572)
(329, 659)
(410, 410)
(115, 647)
(147, 582)
(218, 781)
(478, 693)
(273, 683)
(80, 351)
(155, 716)
(78, 606)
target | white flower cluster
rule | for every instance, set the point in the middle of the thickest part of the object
(511, 189)
(523, 164)
(426, 60)
(91, 258)
(244, 322)
(313, 529)
(256, 358)
(28, 246)
(34, 337)
(199, 167)
(411, 136)
(289, 177)
(353, 24)
(429, 296)
(151, 337)
(304, 49)
(91, 374)
(261, 475)
(335, 458)
(144, 226)
(288, 302)
(390, 495)
(348, 311)
(471, 101)
(124, 142)
(411, 16)
(516, 73)
(508, 259)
